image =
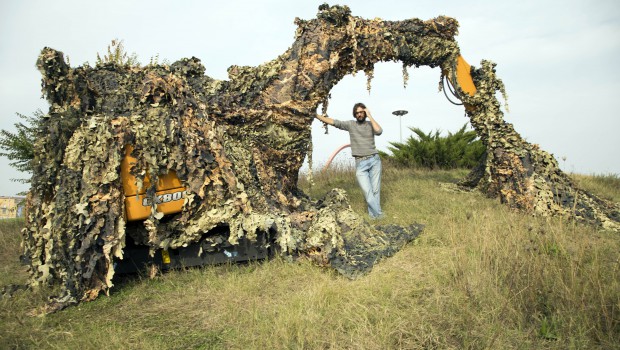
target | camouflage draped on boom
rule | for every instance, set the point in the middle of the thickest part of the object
(521, 174)
(238, 146)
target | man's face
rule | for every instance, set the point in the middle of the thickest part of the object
(360, 114)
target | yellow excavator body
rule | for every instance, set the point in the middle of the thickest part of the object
(169, 196)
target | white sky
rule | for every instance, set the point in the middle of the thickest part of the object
(558, 60)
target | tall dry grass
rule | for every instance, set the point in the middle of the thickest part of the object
(11, 271)
(604, 185)
(479, 277)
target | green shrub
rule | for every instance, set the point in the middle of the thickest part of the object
(433, 151)
(18, 147)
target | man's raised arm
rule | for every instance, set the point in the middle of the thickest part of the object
(325, 119)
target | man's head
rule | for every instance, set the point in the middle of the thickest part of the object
(359, 112)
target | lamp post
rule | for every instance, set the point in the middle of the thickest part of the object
(399, 113)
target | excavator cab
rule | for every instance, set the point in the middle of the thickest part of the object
(169, 198)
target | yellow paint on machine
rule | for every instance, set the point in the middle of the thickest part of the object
(135, 199)
(165, 256)
(463, 76)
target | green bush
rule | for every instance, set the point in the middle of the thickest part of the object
(433, 151)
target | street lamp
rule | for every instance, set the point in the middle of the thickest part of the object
(399, 113)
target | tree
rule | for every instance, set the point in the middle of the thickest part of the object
(18, 146)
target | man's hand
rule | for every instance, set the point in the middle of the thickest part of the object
(325, 119)
(375, 126)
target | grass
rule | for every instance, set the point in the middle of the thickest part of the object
(605, 185)
(479, 277)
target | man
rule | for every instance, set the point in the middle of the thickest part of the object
(367, 162)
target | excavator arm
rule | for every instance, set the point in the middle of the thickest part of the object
(463, 76)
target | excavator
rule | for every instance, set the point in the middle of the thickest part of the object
(237, 146)
(169, 199)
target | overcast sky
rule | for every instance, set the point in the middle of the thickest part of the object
(558, 60)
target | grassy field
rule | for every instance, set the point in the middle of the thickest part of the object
(480, 276)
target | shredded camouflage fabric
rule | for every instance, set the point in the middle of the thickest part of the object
(238, 144)
(521, 174)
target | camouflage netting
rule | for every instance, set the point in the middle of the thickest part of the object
(238, 146)
(521, 174)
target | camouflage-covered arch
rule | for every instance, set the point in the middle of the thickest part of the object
(238, 146)
(520, 174)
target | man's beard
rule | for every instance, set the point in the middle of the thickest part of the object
(361, 120)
